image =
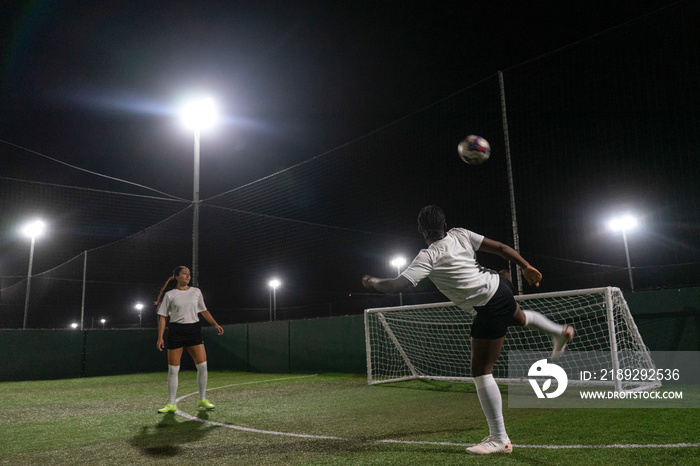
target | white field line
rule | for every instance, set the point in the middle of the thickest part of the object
(409, 442)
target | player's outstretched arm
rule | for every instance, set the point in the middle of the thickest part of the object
(531, 274)
(386, 285)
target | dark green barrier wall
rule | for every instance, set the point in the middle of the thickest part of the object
(268, 347)
(109, 352)
(334, 344)
(315, 345)
(668, 320)
(40, 354)
(227, 352)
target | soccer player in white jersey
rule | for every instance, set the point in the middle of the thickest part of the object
(183, 304)
(450, 263)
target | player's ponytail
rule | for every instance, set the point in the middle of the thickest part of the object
(170, 284)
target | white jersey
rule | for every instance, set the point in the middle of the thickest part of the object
(182, 306)
(451, 264)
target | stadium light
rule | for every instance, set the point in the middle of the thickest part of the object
(32, 230)
(273, 284)
(103, 321)
(625, 223)
(139, 308)
(198, 114)
(74, 325)
(399, 262)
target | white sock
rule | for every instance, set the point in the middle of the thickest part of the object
(202, 376)
(538, 321)
(491, 404)
(172, 383)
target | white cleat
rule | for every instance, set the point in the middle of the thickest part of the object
(559, 342)
(491, 445)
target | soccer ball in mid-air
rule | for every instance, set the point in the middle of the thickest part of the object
(474, 150)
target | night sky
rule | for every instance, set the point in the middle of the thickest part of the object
(98, 85)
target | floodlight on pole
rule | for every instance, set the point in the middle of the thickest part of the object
(200, 113)
(197, 115)
(398, 262)
(31, 230)
(273, 284)
(103, 321)
(625, 223)
(139, 308)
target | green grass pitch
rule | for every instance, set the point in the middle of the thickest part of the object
(289, 419)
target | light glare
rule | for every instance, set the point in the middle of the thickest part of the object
(34, 229)
(624, 223)
(199, 114)
(274, 283)
(398, 262)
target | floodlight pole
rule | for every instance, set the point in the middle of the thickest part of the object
(29, 284)
(197, 115)
(399, 262)
(627, 253)
(398, 274)
(273, 303)
(82, 302)
(139, 307)
(273, 284)
(624, 223)
(195, 215)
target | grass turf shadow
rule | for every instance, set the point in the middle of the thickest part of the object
(166, 437)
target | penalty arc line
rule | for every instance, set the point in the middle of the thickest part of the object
(408, 442)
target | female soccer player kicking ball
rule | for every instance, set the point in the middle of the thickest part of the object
(450, 263)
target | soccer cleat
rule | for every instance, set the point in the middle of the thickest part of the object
(168, 409)
(559, 342)
(491, 445)
(204, 403)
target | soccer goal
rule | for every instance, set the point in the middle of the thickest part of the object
(432, 341)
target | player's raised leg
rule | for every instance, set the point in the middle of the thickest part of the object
(560, 334)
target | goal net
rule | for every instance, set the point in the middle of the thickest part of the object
(432, 341)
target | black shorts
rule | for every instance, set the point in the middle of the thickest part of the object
(180, 335)
(492, 319)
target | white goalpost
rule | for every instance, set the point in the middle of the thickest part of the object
(432, 341)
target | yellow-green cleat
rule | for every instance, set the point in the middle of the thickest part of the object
(205, 404)
(168, 409)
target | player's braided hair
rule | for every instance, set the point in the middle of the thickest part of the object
(431, 221)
